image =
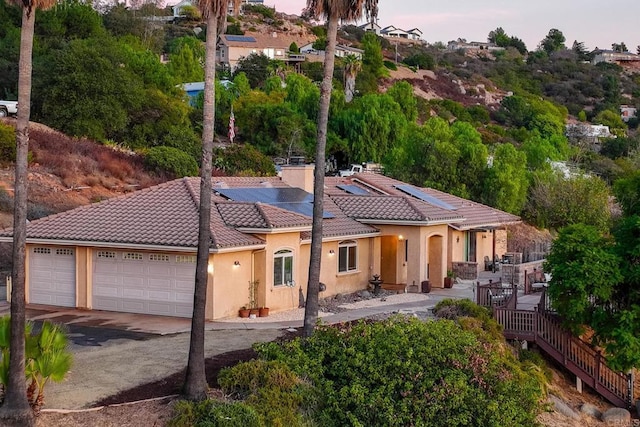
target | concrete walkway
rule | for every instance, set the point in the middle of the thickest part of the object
(139, 349)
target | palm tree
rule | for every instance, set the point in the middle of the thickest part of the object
(48, 358)
(195, 385)
(333, 11)
(15, 408)
(352, 66)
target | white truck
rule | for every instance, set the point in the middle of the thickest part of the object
(365, 167)
(8, 108)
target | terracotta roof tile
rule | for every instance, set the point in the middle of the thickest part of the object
(393, 208)
(163, 215)
(470, 214)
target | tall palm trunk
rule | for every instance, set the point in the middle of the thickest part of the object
(313, 285)
(15, 409)
(195, 386)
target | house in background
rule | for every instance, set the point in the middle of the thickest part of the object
(232, 48)
(588, 135)
(628, 112)
(341, 51)
(372, 27)
(624, 59)
(137, 253)
(462, 44)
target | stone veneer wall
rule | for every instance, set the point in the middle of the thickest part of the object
(465, 270)
(514, 273)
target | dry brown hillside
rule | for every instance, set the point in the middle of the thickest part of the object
(65, 173)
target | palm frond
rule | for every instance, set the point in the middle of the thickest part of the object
(348, 10)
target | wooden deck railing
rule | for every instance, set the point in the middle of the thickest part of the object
(588, 364)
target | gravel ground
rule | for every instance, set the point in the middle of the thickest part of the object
(336, 304)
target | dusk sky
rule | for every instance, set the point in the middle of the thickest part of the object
(594, 22)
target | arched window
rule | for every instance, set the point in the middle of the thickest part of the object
(347, 256)
(283, 268)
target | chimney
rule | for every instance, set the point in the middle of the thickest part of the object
(275, 35)
(299, 176)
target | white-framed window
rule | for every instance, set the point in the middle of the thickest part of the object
(159, 257)
(64, 251)
(185, 259)
(106, 254)
(283, 268)
(347, 256)
(132, 256)
(45, 251)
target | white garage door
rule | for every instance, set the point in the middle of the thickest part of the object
(140, 282)
(52, 276)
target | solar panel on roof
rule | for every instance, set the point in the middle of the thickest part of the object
(353, 189)
(290, 199)
(246, 39)
(412, 191)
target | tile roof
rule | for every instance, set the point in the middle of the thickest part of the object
(166, 215)
(259, 215)
(163, 215)
(469, 214)
(281, 41)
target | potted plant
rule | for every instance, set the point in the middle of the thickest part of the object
(448, 281)
(243, 312)
(263, 311)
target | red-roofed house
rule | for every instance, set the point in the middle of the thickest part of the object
(136, 253)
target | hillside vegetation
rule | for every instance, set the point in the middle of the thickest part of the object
(489, 127)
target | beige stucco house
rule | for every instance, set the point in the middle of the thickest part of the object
(233, 48)
(136, 253)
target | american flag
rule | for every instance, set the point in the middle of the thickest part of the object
(232, 125)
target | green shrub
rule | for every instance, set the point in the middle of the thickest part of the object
(171, 160)
(271, 388)
(403, 371)
(244, 160)
(209, 413)
(7, 143)
(391, 65)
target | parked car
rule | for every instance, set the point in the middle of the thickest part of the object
(365, 167)
(8, 108)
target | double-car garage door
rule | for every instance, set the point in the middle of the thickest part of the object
(140, 282)
(128, 281)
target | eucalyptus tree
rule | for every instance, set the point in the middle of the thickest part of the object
(195, 385)
(333, 11)
(15, 409)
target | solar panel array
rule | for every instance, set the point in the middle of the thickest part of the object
(246, 39)
(353, 189)
(418, 194)
(290, 199)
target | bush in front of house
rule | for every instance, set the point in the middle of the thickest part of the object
(403, 371)
(276, 393)
(210, 413)
(171, 160)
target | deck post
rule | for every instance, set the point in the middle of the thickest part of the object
(597, 376)
(579, 384)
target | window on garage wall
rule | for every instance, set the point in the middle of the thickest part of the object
(283, 267)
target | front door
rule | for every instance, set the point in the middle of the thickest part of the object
(389, 259)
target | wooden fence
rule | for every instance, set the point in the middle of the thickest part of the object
(543, 327)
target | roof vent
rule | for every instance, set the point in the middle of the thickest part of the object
(275, 35)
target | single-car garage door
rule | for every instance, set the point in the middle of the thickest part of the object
(142, 282)
(52, 276)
